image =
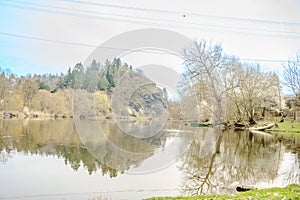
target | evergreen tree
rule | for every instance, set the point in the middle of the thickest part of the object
(68, 79)
(103, 84)
(42, 85)
(77, 76)
(91, 79)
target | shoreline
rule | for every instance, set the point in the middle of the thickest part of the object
(289, 192)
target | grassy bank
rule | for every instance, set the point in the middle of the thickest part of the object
(289, 192)
(286, 129)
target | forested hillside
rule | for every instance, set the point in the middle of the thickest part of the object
(50, 95)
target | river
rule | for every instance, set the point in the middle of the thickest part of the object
(48, 159)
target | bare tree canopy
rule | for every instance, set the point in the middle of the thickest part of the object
(205, 63)
(291, 74)
(227, 88)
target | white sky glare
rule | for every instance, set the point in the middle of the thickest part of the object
(253, 29)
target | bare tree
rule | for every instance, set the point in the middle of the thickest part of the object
(205, 64)
(291, 74)
(230, 89)
(3, 86)
(257, 90)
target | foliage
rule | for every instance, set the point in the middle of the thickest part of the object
(91, 79)
(94, 77)
(51, 93)
(101, 101)
(29, 89)
(15, 103)
(42, 85)
(4, 82)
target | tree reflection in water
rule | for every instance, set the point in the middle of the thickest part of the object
(237, 158)
(59, 138)
(214, 161)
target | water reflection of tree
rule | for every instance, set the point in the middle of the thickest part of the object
(236, 157)
(110, 145)
(59, 137)
(76, 156)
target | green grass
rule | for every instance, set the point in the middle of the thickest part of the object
(289, 192)
(285, 129)
(288, 126)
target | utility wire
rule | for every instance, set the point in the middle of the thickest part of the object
(181, 12)
(149, 23)
(152, 19)
(122, 49)
(151, 51)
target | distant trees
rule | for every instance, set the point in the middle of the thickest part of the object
(255, 91)
(94, 77)
(102, 103)
(42, 101)
(229, 89)
(4, 88)
(42, 85)
(291, 74)
(57, 104)
(15, 103)
(77, 76)
(225, 89)
(51, 93)
(29, 89)
(103, 83)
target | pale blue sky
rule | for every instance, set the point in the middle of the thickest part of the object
(11, 49)
(252, 39)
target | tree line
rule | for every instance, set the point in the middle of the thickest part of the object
(52, 94)
(94, 77)
(226, 89)
(229, 90)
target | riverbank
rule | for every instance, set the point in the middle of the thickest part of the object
(286, 129)
(32, 115)
(289, 192)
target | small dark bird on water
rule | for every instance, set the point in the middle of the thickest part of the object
(183, 15)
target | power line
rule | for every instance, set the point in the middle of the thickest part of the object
(149, 23)
(153, 19)
(122, 49)
(72, 14)
(88, 45)
(180, 13)
(46, 40)
(144, 18)
(264, 60)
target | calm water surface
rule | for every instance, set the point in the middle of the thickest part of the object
(45, 159)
